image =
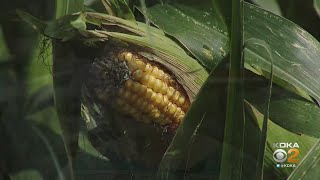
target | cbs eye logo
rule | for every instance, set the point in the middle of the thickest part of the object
(281, 155)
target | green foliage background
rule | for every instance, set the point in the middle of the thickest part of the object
(30, 134)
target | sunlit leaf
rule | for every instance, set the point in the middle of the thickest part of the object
(309, 167)
(200, 33)
(119, 8)
(294, 58)
(317, 6)
(294, 50)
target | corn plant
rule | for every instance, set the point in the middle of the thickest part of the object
(185, 89)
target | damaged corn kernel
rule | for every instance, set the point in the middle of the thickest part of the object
(149, 94)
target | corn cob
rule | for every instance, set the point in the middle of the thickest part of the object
(147, 90)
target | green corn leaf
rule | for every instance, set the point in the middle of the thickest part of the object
(195, 32)
(32, 21)
(295, 65)
(266, 107)
(277, 134)
(298, 54)
(186, 149)
(309, 167)
(66, 7)
(232, 155)
(119, 8)
(316, 4)
(301, 115)
(303, 13)
(294, 60)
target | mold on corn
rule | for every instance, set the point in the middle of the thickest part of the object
(139, 87)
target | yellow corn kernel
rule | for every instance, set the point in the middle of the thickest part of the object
(121, 55)
(164, 102)
(157, 85)
(142, 89)
(176, 96)
(181, 101)
(153, 97)
(132, 65)
(144, 106)
(180, 117)
(133, 98)
(172, 108)
(148, 69)
(128, 84)
(164, 89)
(177, 113)
(148, 81)
(149, 93)
(158, 99)
(128, 56)
(138, 103)
(160, 75)
(135, 87)
(155, 114)
(167, 109)
(137, 75)
(126, 95)
(140, 64)
(154, 71)
(170, 92)
(150, 108)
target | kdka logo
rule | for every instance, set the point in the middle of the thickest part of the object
(286, 154)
